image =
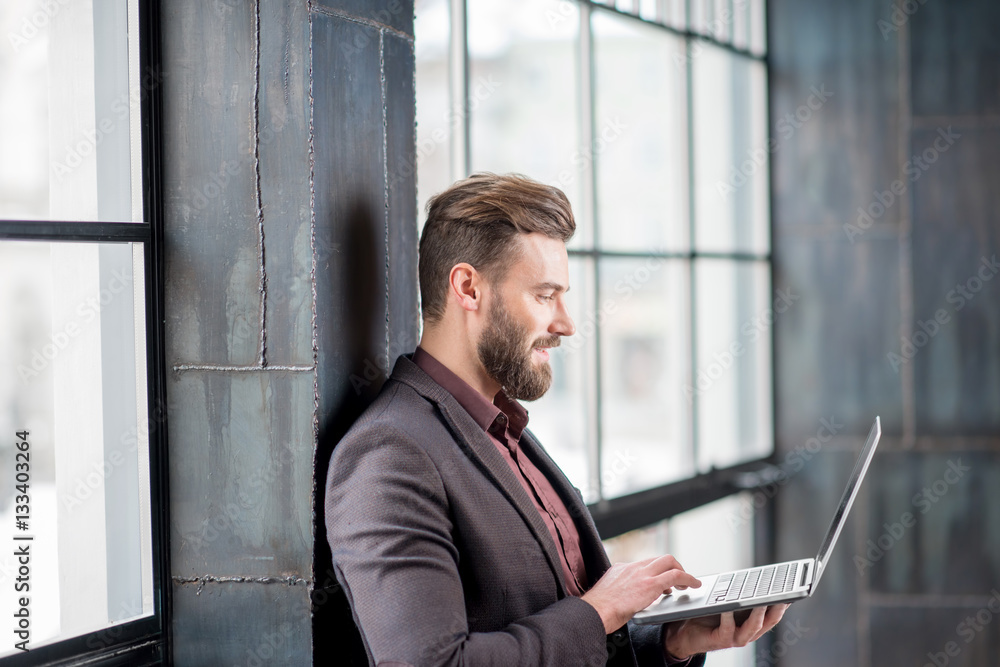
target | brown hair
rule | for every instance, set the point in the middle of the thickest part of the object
(476, 221)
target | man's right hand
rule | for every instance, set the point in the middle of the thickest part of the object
(630, 587)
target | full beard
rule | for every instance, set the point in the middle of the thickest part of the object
(506, 356)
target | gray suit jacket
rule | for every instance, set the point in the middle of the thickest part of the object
(441, 553)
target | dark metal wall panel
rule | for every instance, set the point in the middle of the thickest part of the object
(825, 624)
(955, 55)
(901, 74)
(242, 624)
(401, 169)
(830, 346)
(934, 524)
(395, 14)
(365, 200)
(283, 139)
(212, 298)
(243, 473)
(351, 285)
(952, 635)
(279, 118)
(956, 283)
(820, 175)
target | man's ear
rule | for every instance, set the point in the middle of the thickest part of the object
(465, 286)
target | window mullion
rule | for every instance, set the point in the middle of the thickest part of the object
(458, 63)
(588, 196)
(692, 212)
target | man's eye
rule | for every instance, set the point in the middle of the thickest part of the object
(546, 297)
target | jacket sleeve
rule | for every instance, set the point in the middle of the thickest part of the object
(390, 533)
(648, 642)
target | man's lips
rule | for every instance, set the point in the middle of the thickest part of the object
(543, 351)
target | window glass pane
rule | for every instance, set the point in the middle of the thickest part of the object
(644, 366)
(758, 26)
(435, 118)
(712, 538)
(701, 16)
(524, 95)
(735, 317)
(731, 152)
(626, 5)
(741, 23)
(640, 139)
(676, 11)
(648, 542)
(715, 538)
(69, 111)
(73, 376)
(648, 10)
(722, 20)
(561, 419)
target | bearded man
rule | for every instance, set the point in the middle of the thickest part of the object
(455, 537)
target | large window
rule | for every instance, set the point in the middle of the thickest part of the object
(651, 116)
(81, 414)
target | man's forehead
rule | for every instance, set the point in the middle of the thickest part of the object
(542, 262)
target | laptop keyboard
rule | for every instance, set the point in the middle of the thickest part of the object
(757, 582)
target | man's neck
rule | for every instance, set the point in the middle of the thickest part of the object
(459, 356)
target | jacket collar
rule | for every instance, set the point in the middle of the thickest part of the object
(476, 444)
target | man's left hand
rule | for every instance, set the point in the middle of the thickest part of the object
(711, 633)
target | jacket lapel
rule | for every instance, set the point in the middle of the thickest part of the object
(594, 555)
(478, 446)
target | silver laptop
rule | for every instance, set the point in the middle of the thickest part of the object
(768, 584)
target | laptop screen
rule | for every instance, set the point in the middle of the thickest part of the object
(853, 485)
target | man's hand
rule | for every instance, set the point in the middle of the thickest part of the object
(629, 587)
(710, 633)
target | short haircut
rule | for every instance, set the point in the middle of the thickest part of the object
(477, 221)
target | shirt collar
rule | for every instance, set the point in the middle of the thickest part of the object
(503, 412)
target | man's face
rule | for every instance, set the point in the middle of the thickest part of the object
(527, 315)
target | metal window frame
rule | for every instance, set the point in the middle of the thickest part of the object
(145, 641)
(618, 515)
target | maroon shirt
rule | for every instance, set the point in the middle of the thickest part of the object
(504, 420)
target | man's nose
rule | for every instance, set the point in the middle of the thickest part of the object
(563, 324)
